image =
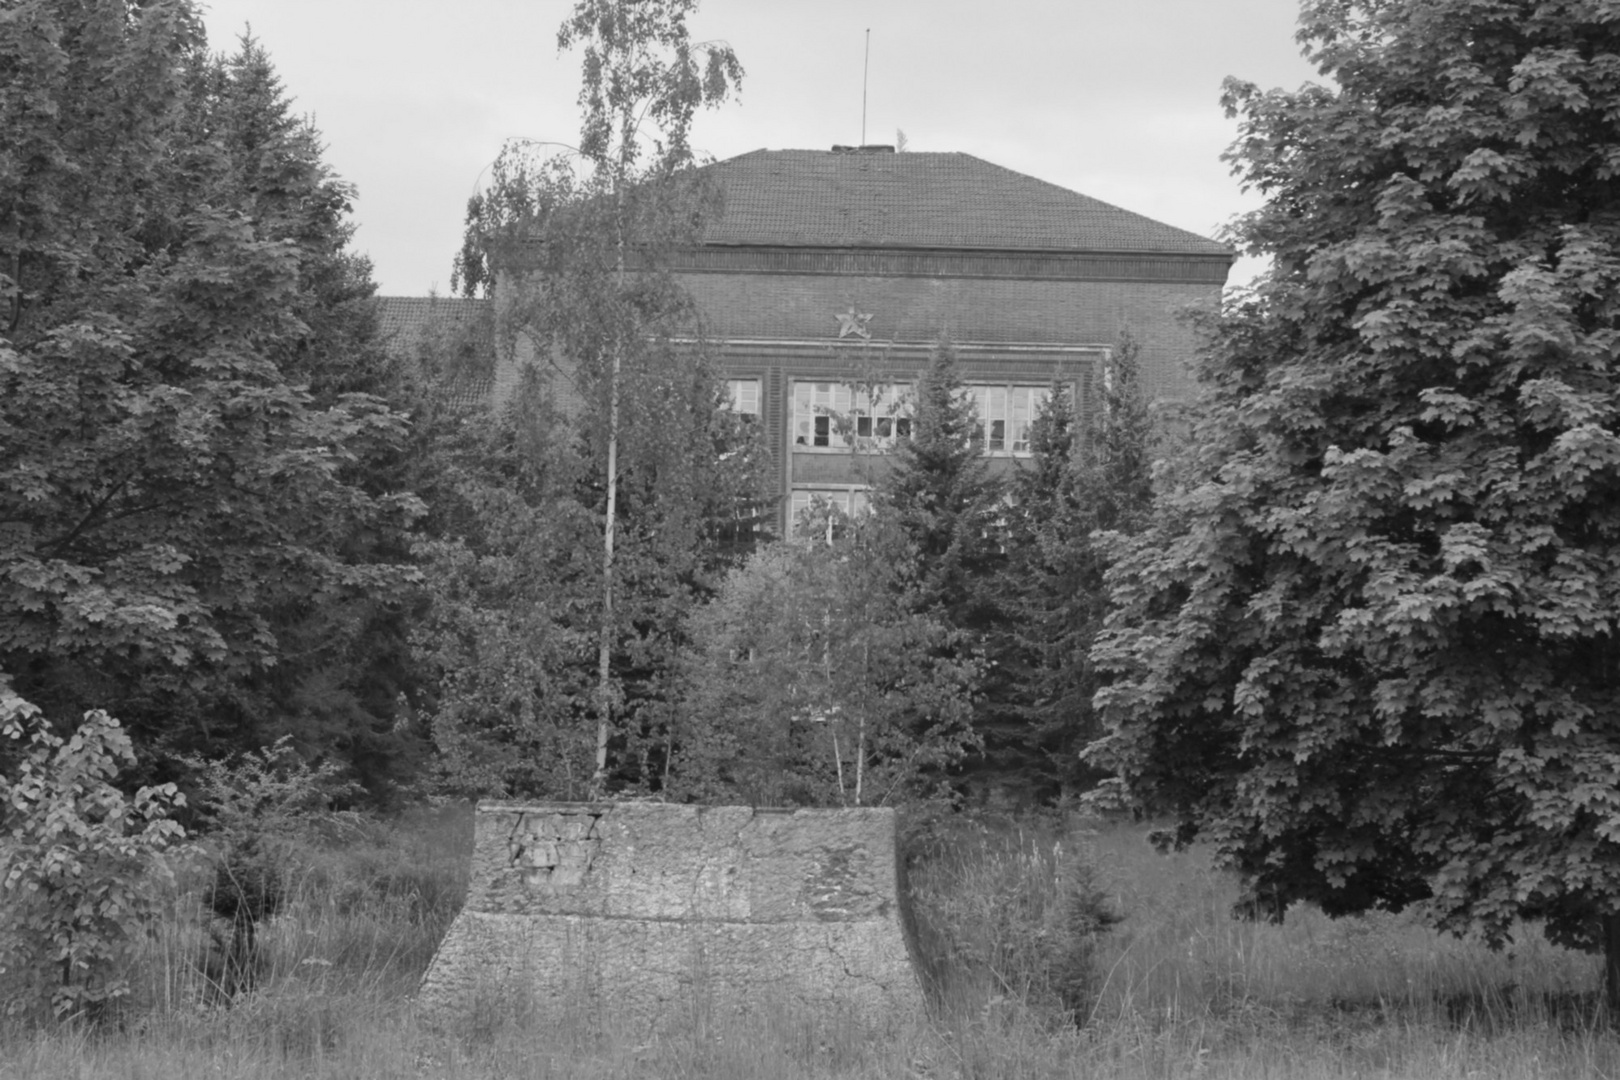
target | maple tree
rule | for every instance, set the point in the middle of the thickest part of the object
(1370, 645)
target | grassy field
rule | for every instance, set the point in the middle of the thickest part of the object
(1175, 989)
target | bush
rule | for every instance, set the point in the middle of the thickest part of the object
(78, 862)
(1009, 916)
(262, 810)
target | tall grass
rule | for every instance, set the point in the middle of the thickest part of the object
(1010, 916)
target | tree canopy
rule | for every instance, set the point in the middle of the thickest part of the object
(190, 534)
(1369, 644)
(814, 678)
(625, 414)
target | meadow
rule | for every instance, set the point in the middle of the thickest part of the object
(1028, 977)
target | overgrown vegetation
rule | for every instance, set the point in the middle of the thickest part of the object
(79, 863)
(1362, 637)
(1178, 989)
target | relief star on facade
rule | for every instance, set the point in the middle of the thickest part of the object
(853, 322)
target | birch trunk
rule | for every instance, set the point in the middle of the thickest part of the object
(604, 645)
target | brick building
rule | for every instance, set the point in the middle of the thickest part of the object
(830, 276)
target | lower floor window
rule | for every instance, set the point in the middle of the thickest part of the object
(850, 500)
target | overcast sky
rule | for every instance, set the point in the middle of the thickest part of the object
(1118, 99)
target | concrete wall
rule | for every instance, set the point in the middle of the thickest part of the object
(636, 910)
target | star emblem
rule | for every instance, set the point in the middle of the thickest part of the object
(853, 322)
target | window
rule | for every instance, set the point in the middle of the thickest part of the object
(832, 415)
(743, 395)
(850, 499)
(1005, 415)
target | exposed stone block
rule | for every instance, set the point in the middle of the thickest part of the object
(637, 909)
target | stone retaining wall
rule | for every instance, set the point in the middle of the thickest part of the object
(643, 909)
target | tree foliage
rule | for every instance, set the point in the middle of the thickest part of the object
(941, 497)
(813, 678)
(1089, 474)
(506, 635)
(1368, 646)
(653, 456)
(194, 531)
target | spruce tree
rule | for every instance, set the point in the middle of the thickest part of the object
(943, 510)
(943, 500)
(1089, 475)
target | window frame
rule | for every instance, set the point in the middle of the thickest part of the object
(1013, 440)
(736, 400)
(853, 499)
(823, 404)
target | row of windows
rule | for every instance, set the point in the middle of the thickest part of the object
(834, 415)
(831, 414)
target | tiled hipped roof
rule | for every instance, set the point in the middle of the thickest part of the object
(449, 325)
(405, 322)
(923, 200)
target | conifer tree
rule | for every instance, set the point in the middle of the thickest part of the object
(943, 513)
(1089, 475)
(942, 499)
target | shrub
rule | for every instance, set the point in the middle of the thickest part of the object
(1009, 916)
(78, 861)
(262, 810)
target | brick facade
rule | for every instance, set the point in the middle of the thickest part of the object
(1031, 283)
(922, 310)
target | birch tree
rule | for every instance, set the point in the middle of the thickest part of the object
(584, 231)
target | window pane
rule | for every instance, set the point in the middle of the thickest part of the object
(743, 395)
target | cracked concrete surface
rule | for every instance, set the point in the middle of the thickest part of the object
(644, 910)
